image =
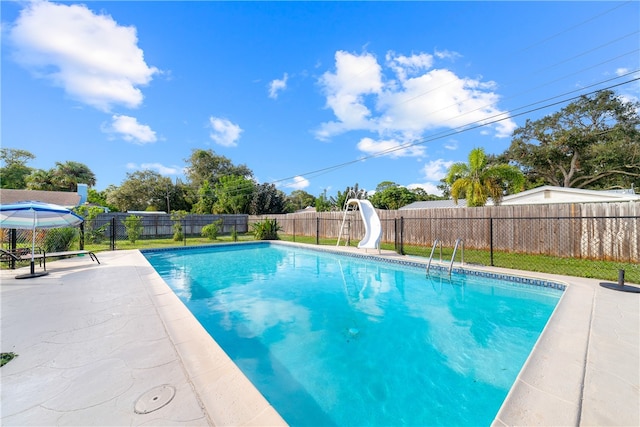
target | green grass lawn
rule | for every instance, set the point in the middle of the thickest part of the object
(605, 270)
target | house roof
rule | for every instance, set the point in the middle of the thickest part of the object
(548, 194)
(62, 198)
(435, 204)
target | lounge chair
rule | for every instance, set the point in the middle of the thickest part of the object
(17, 255)
(24, 254)
(44, 255)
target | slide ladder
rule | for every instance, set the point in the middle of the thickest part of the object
(345, 227)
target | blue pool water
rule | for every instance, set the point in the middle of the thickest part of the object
(341, 340)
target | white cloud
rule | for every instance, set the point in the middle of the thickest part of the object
(95, 60)
(162, 169)
(299, 182)
(451, 145)
(223, 132)
(277, 86)
(158, 167)
(420, 98)
(405, 65)
(446, 54)
(130, 130)
(355, 77)
(390, 147)
(435, 170)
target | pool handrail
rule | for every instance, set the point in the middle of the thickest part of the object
(433, 248)
(460, 242)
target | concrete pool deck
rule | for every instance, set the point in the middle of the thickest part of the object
(111, 344)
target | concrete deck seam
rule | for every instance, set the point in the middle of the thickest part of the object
(560, 398)
(586, 357)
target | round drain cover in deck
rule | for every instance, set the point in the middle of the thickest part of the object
(154, 399)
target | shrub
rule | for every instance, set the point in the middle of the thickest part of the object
(133, 226)
(211, 231)
(177, 217)
(92, 234)
(266, 230)
(60, 239)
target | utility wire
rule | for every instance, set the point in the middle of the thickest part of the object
(466, 127)
(456, 131)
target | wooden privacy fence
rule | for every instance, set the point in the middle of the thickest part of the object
(596, 231)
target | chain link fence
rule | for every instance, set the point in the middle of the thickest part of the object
(115, 231)
(597, 246)
(584, 246)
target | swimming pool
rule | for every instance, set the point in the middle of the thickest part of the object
(344, 340)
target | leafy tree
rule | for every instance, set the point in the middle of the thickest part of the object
(477, 181)
(390, 195)
(421, 194)
(593, 142)
(323, 204)
(299, 199)
(233, 194)
(63, 177)
(267, 199)
(349, 193)
(206, 199)
(205, 165)
(40, 180)
(181, 197)
(140, 190)
(14, 171)
(69, 174)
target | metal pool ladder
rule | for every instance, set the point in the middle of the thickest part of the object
(460, 242)
(435, 243)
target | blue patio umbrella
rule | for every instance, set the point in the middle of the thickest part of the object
(33, 215)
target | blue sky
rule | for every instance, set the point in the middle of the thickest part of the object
(309, 95)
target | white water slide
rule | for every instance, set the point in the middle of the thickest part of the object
(372, 225)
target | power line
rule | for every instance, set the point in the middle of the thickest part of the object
(458, 130)
(463, 128)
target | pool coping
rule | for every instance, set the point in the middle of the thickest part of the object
(583, 370)
(557, 384)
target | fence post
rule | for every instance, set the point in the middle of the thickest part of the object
(112, 242)
(317, 230)
(491, 240)
(294, 229)
(395, 235)
(82, 236)
(184, 232)
(401, 235)
(13, 236)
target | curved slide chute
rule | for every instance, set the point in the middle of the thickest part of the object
(372, 225)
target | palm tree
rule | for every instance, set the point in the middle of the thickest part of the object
(478, 181)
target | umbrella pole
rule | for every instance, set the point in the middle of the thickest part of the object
(33, 242)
